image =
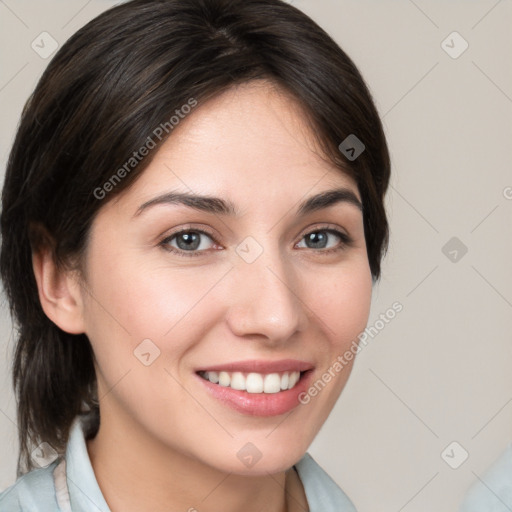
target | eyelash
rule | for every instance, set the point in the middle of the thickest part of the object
(345, 241)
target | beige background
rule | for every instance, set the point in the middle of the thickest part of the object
(440, 371)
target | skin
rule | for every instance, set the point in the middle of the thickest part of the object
(164, 443)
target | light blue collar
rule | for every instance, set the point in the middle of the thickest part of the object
(493, 491)
(82, 493)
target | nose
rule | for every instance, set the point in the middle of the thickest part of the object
(265, 299)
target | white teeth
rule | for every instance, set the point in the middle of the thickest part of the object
(224, 379)
(294, 378)
(284, 381)
(213, 377)
(272, 383)
(238, 381)
(254, 382)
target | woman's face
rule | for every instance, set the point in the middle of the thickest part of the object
(270, 290)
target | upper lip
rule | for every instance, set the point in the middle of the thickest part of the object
(260, 366)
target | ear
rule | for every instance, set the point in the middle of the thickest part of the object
(60, 292)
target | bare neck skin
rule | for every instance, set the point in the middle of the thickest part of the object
(133, 476)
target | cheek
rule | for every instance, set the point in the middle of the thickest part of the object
(134, 303)
(341, 300)
(135, 300)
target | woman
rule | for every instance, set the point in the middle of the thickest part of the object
(192, 223)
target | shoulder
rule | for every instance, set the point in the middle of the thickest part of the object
(322, 492)
(32, 492)
(493, 491)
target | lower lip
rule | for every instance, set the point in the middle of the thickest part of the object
(259, 404)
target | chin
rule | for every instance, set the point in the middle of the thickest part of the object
(258, 457)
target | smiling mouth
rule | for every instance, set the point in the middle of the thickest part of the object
(253, 382)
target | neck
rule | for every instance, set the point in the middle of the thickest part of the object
(135, 472)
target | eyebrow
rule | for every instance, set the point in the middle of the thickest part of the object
(216, 205)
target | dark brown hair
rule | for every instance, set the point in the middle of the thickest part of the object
(105, 91)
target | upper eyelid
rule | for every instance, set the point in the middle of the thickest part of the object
(189, 229)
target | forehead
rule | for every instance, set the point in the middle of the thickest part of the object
(252, 141)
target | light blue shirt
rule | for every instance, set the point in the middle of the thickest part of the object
(69, 485)
(493, 493)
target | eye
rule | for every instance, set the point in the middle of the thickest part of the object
(324, 239)
(191, 242)
(187, 241)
